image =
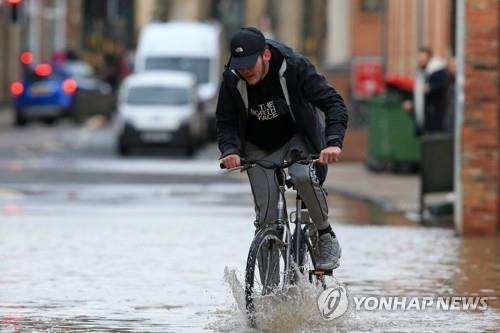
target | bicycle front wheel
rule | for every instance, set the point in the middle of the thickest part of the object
(267, 270)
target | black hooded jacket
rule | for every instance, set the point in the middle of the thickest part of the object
(305, 91)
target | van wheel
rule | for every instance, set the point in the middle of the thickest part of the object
(50, 121)
(122, 148)
(190, 150)
(191, 146)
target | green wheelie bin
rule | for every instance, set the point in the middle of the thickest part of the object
(393, 144)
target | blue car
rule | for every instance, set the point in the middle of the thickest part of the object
(45, 93)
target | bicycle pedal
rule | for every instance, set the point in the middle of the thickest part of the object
(319, 273)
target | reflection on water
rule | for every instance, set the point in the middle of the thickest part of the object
(155, 263)
(74, 324)
(478, 267)
(358, 212)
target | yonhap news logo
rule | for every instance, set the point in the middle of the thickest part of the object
(412, 303)
(333, 302)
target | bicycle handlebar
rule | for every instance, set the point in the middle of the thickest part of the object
(247, 164)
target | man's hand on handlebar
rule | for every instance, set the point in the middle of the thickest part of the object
(329, 155)
(231, 161)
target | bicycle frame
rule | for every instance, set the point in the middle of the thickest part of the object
(298, 227)
(283, 220)
(279, 231)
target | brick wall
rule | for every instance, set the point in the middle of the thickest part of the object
(481, 128)
(366, 27)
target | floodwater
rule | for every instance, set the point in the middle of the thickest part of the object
(108, 258)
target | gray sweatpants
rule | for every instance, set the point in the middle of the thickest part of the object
(265, 189)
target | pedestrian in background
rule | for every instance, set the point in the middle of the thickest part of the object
(430, 93)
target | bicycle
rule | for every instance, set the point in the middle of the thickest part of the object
(277, 255)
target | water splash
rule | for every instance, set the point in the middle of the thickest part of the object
(295, 311)
(237, 289)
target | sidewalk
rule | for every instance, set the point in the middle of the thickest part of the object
(390, 191)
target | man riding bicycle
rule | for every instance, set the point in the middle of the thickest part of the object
(268, 107)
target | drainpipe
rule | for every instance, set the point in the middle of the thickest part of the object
(459, 112)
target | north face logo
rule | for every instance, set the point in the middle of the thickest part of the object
(238, 50)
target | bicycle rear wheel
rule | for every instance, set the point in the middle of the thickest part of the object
(266, 272)
(308, 256)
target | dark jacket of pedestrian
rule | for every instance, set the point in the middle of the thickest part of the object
(436, 79)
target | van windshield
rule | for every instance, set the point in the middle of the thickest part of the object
(152, 95)
(197, 66)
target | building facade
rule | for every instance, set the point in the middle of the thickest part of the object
(415, 23)
(434, 24)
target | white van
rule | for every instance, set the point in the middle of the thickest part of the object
(194, 47)
(159, 108)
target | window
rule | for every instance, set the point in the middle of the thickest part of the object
(197, 66)
(154, 95)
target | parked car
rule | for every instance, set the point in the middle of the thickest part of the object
(93, 96)
(159, 108)
(49, 92)
(45, 93)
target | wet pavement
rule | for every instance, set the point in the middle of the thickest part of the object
(106, 258)
(93, 243)
(131, 258)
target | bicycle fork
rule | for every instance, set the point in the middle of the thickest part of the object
(286, 236)
(298, 228)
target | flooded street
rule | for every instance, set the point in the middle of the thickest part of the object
(151, 258)
(118, 119)
(148, 263)
(94, 243)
